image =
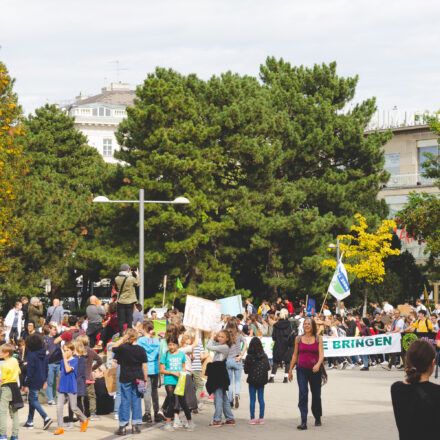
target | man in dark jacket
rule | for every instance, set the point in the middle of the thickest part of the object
(283, 345)
(36, 375)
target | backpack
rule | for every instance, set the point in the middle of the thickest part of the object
(293, 333)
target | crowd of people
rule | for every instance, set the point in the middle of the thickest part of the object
(68, 356)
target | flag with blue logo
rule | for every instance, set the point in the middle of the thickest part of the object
(339, 286)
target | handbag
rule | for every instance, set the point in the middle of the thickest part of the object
(180, 387)
(141, 386)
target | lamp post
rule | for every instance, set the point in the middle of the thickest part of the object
(332, 245)
(142, 201)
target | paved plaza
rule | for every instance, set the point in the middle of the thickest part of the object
(356, 405)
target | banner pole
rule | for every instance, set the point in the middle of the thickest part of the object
(164, 290)
(323, 304)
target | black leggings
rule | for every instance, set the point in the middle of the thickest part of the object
(172, 403)
(275, 367)
(124, 313)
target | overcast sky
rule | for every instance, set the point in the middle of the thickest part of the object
(57, 48)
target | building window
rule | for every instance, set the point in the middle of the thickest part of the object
(422, 158)
(392, 163)
(107, 149)
(101, 111)
(95, 112)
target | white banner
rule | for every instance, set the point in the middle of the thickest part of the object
(341, 347)
(379, 344)
(202, 314)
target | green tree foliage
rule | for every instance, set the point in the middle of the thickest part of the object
(421, 216)
(273, 168)
(54, 207)
(11, 161)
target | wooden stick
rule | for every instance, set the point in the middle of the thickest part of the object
(323, 304)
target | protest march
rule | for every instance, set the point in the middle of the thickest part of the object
(114, 361)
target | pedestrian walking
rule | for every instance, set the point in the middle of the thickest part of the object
(256, 366)
(308, 358)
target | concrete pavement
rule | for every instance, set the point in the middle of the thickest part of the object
(356, 404)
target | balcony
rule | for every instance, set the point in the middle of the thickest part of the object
(408, 181)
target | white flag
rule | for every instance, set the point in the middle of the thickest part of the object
(339, 286)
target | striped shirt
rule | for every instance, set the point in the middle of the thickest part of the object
(197, 363)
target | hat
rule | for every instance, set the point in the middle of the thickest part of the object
(124, 267)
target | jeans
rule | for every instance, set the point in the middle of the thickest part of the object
(365, 360)
(34, 404)
(125, 316)
(130, 401)
(52, 376)
(118, 392)
(234, 371)
(305, 376)
(152, 394)
(5, 403)
(252, 395)
(222, 405)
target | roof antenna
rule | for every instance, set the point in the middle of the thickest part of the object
(118, 69)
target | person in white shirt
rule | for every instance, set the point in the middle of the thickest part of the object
(387, 308)
(13, 323)
(300, 318)
(420, 306)
(436, 311)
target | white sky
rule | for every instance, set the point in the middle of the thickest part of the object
(57, 48)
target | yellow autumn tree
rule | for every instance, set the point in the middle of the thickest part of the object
(364, 252)
(10, 159)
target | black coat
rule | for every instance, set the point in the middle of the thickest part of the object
(256, 366)
(282, 350)
(217, 376)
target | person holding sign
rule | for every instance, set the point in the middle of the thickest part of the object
(308, 357)
(172, 366)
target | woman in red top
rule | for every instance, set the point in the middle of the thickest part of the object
(308, 358)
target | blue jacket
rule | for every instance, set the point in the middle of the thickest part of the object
(151, 347)
(36, 369)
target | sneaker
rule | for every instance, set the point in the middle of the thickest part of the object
(384, 363)
(70, 425)
(59, 431)
(146, 418)
(285, 380)
(237, 401)
(252, 422)
(330, 367)
(401, 367)
(84, 425)
(28, 425)
(230, 422)
(271, 380)
(158, 417)
(93, 417)
(349, 367)
(177, 424)
(261, 421)
(168, 427)
(52, 403)
(215, 424)
(344, 365)
(116, 416)
(190, 426)
(364, 369)
(386, 367)
(47, 423)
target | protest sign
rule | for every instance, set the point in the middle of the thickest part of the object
(232, 305)
(311, 307)
(267, 343)
(160, 327)
(407, 338)
(201, 313)
(379, 344)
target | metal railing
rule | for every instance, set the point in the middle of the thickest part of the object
(408, 180)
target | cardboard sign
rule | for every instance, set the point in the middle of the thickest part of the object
(232, 305)
(201, 313)
(404, 309)
(110, 377)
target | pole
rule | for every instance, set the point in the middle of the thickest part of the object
(323, 304)
(164, 290)
(141, 247)
(338, 307)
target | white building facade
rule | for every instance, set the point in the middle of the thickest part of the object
(98, 117)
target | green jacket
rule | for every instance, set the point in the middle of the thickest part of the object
(35, 313)
(128, 294)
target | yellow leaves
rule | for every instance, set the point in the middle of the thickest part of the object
(365, 252)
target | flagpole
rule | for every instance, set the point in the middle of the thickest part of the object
(325, 298)
(338, 306)
(164, 290)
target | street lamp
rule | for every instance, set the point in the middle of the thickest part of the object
(141, 201)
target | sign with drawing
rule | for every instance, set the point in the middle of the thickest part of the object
(201, 313)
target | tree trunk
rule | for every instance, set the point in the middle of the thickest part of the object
(364, 308)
